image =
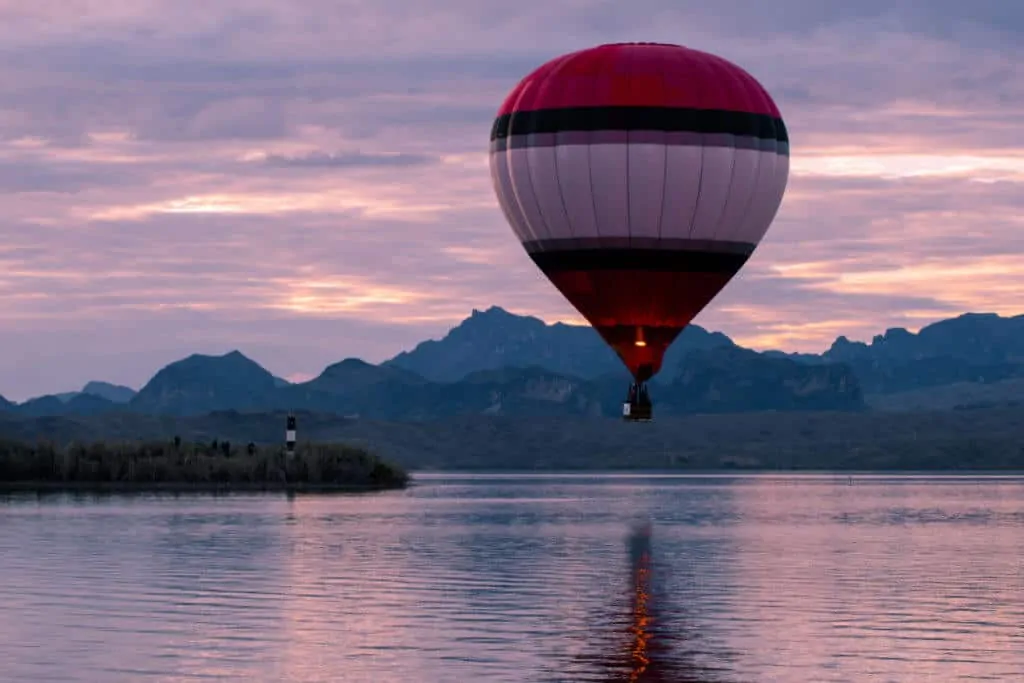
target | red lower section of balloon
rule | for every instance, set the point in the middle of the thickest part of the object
(639, 312)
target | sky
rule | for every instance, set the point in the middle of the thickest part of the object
(307, 182)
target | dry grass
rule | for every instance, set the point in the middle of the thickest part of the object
(210, 465)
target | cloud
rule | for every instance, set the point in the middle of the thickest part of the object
(310, 182)
(348, 160)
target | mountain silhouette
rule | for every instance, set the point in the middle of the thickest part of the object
(111, 392)
(499, 363)
(494, 339)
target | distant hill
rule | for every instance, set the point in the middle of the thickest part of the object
(979, 338)
(359, 389)
(735, 380)
(78, 404)
(355, 387)
(974, 348)
(114, 393)
(499, 363)
(955, 396)
(720, 379)
(201, 384)
(353, 376)
(495, 338)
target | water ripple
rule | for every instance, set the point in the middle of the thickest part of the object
(520, 578)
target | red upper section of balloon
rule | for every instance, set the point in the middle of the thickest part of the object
(640, 75)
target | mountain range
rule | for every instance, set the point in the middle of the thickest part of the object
(499, 363)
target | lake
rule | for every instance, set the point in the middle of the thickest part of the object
(524, 578)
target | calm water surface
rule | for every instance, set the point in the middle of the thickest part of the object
(549, 578)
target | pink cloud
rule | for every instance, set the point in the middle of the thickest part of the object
(309, 183)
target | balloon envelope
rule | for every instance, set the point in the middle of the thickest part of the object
(639, 177)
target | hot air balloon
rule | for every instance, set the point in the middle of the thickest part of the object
(639, 177)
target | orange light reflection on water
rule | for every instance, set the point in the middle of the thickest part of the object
(641, 616)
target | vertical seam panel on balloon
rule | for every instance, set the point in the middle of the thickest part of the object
(778, 126)
(700, 167)
(664, 173)
(513, 111)
(726, 76)
(753, 98)
(506, 158)
(497, 159)
(529, 168)
(558, 171)
(780, 157)
(590, 142)
(782, 191)
(628, 59)
(755, 93)
(664, 150)
(789, 149)
(539, 106)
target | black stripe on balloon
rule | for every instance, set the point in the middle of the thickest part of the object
(666, 119)
(638, 242)
(660, 260)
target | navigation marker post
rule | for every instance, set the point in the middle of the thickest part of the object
(289, 436)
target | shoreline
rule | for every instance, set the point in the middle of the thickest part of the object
(43, 486)
(132, 467)
(713, 472)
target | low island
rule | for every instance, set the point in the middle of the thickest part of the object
(177, 466)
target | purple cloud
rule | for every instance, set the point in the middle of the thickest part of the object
(320, 160)
(308, 183)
